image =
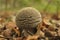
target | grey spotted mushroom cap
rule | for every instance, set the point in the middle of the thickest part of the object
(28, 17)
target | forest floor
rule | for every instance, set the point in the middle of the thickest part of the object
(48, 29)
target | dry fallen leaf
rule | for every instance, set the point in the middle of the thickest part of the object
(34, 37)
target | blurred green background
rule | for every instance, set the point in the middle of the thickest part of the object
(47, 5)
